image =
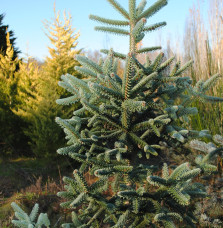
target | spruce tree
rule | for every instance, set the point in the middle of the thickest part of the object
(31, 220)
(63, 50)
(38, 88)
(61, 61)
(7, 70)
(10, 136)
(28, 80)
(3, 39)
(125, 129)
(29, 99)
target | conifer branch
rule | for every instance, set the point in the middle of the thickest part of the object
(108, 21)
(119, 8)
(134, 106)
(183, 68)
(116, 54)
(79, 200)
(143, 82)
(211, 82)
(165, 64)
(86, 72)
(70, 149)
(66, 85)
(89, 64)
(157, 61)
(144, 50)
(81, 180)
(108, 63)
(68, 100)
(95, 110)
(152, 9)
(154, 27)
(212, 99)
(112, 30)
(68, 127)
(137, 30)
(75, 82)
(104, 91)
(138, 64)
(113, 83)
(140, 7)
(25, 220)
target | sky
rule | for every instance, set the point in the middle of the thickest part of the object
(25, 18)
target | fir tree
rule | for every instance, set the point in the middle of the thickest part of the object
(28, 80)
(8, 80)
(63, 50)
(30, 221)
(125, 128)
(37, 108)
(8, 100)
(61, 61)
(3, 39)
(132, 125)
(29, 99)
(39, 88)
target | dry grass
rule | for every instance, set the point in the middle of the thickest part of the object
(203, 43)
(203, 39)
(42, 193)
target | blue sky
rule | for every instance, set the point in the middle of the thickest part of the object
(25, 18)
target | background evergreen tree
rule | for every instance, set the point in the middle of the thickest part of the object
(125, 130)
(63, 50)
(10, 130)
(38, 88)
(3, 40)
(29, 98)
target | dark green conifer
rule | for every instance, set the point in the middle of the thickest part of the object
(11, 136)
(39, 90)
(3, 40)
